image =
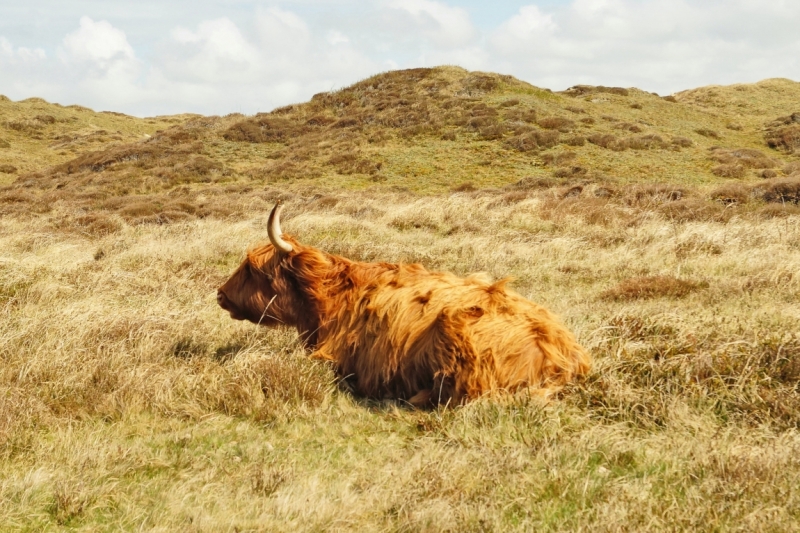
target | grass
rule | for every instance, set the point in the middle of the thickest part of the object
(130, 401)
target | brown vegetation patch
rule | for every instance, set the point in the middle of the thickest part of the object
(556, 123)
(283, 169)
(682, 142)
(627, 126)
(705, 132)
(696, 245)
(646, 287)
(478, 83)
(531, 183)
(141, 155)
(533, 140)
(94, 224)
(768, 174)
(9, 195)
(695, 210)
(791, 168)
(575, 140)
(510, 198)
(264, 128)
(354, 163)
(649, 141)
(8, 169)
(779, 190)
(528, 116)
(783, 133)
(779, 210)
(464, 187)
(581, 90)
(559, 158)
(732, 193)
(636, 142)
(654, 194)
(605, 192)
(729, 171)
(570, 172)
(606, 140)
(746, 157)
(597, 211)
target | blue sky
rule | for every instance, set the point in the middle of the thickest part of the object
(215, 57)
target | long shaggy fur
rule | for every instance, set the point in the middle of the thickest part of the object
(400, 331)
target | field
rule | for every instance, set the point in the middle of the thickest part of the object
(130, 401)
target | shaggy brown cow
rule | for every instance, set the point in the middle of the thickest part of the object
(400, 331)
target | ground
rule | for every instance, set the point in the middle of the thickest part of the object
(129, 400)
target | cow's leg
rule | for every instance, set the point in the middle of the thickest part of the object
(322, 354)
(422, 399)
(460, 373)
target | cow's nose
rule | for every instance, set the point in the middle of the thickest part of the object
(221, 299)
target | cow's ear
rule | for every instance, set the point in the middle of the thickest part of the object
(274, 230)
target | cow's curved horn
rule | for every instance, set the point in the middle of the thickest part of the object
(274, 229)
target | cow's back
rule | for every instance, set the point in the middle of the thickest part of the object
(409, 329)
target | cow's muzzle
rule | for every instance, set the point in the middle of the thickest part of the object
(226, 304)
(222, 300)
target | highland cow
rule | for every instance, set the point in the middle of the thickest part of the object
(399, 331)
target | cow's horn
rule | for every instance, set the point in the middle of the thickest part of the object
(274, 229)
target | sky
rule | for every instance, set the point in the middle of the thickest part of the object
(152, 57)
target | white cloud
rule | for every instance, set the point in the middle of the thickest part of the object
(22, 55)
(218, 67)
(336, 37)
(661, 45)
(249, 58)
(97, 43)
(216, 51)
(525, 28)
(282, 31)
(99, 64)
(441, 24)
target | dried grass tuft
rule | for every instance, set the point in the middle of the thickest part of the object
(732, 193)
(651, 287)
(745, 157)
(780, 190)
(705, 132)
(729, 171)
(783, 133)
(561, 124)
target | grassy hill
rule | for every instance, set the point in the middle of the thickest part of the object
(665, 232)
(35, 134)
(426, 131)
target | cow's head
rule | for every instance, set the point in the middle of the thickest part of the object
(261, 290)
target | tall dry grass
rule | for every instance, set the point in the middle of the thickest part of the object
(128, 400)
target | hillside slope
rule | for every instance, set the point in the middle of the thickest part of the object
(35, 134)
(420, 130)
